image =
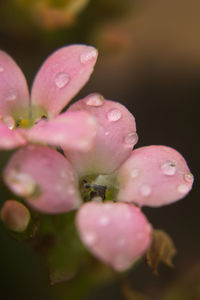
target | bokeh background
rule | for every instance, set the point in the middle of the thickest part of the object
(149, 60)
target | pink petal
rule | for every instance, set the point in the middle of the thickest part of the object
(62, 76)
(70, 130)
(116, 233)
(154, 176)
(10, 139)
(15, 215)
(14, 94)
(44, 177)
(116, 136)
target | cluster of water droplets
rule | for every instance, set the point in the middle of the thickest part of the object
(62, 79)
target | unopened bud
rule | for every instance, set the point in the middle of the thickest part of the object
(15, 216)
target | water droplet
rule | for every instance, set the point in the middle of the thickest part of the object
(1, 68)
(89, 238)
(88, 54)
(122, 242)
(23, 184)
(95, 100)
(114, 115)
(131, 138)
(61, 80)
(188, 177)
(104, 220)
(12, 95)
(145, 190)
(134, 173)
(183, 188)
(140, 236)
(107, 133)
(168, 168)
(9, 121)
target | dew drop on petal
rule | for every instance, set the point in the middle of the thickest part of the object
(140, 236)
(183, 188)
(134, 173)
(61, 80)
(1, 68)
(9, 121)
(131, 138)
(188, 177)
(95, 100)
(104, 221)
(145, 190)
(168, 168)
(89, 238)
(122, 242)
(12, 95)
(114, 115)
(88, 54)
(107, 133)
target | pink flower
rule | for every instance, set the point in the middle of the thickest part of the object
(110, 177)
(35, 119)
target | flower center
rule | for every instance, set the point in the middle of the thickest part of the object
(101, 186)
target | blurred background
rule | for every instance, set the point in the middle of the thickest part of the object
(149, 60)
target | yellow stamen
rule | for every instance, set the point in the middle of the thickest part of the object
(24, 123)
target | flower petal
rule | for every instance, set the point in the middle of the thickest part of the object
(14, 94)
(70, 130)
(116, 233)
(44, 178)
(10, 139)
(115, 138)
(154, 176)
(61, 77)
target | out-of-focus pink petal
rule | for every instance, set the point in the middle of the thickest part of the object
(61, 77)
(116, 233)
(44, 178)
(70, 130)
(10, 139)
(154, 176)
(14, 94)
(15, 215)
(116, 136)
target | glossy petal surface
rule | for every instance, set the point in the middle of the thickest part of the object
(115, 138)
(14, 95)
(44, 178)
(10, 139)
(116, 233)
(154, 176)
(61, 77)
(70, 130)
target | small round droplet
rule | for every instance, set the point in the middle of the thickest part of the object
(134, 173)
(107, 133)
(114, 115)
(1, 68)
(183, 188)
(12, 95)
(140, 236)
(95, 100)
(9, 121)
(104, 221)
(88, 54)
(61, 80)
(89, 238)
(168, 167)
(188, 177)
(131, 138)
(145, 190)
